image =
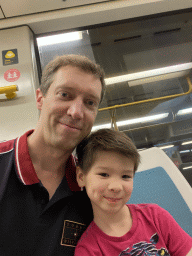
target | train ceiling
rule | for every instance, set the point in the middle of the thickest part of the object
(10, 8)
(45, 16)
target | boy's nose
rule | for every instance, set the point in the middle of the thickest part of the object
(115, 186)
(76, 110)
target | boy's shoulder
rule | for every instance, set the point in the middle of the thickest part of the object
(154, 212)
(144, 206)
(87, 236)
(152, 209)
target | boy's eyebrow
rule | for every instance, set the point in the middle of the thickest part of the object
(107, 168)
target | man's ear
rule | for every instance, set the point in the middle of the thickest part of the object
(80, 177)
(39, 99)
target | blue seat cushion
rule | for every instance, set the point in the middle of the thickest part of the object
(155, 186)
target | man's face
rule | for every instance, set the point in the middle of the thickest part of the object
(69, 109)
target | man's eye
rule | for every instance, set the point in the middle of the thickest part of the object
(64, 94)
(90, 103)
(103, 174)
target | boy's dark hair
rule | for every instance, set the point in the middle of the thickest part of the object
(78, 61)
(105, 140)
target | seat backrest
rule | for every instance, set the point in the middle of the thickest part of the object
(188, 175)
(159, 181)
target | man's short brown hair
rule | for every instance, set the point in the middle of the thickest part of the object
(79, 61)
(105, 140)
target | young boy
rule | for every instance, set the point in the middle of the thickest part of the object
(107, 161)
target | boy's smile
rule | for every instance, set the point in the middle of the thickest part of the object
(112, 199)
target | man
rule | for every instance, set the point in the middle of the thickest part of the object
(42, 212)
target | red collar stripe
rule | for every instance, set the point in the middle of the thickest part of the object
(17, 161)
(24, 164)
(25, 168)
(70, 173)
(6, 146)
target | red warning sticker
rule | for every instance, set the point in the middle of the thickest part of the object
(12, 75)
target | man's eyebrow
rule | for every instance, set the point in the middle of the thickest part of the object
(94, 97)
(65, 86)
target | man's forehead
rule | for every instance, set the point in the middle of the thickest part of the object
(67, 71)
(70, 67)
(64, 80)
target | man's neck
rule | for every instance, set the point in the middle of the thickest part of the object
(45, 156)
(49, 162)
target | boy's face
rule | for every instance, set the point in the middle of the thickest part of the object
(109, 182)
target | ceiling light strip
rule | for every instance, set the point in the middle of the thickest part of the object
(168, 146)
(188, 167)
(149, 73)
(132, 121)
(184, 111)
(57, 39)
(184, 151)
(186, 142)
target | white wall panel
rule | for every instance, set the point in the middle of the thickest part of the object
(20, 7)
(19, 114)
(1, 14)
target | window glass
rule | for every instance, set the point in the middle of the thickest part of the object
(148, 64)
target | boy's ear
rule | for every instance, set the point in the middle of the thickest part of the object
(39, 99)
(80, 177)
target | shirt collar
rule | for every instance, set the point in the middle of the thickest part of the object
(26, 171)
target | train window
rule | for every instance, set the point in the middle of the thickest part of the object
(148, 64)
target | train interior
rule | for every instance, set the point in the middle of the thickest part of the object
(145, 50)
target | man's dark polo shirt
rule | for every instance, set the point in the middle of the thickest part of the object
(30, 224)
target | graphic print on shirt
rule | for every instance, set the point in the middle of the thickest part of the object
(146, 249)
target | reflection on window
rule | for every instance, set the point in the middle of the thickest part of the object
(148, 65)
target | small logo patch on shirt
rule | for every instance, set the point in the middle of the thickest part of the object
(72, 231)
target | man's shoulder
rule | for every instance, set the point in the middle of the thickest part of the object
(6, 158)
(80, 203)
(6, 146)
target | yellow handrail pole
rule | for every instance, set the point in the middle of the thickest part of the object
(150, 100)
(9, 91)
(189, 82)
(113, 120)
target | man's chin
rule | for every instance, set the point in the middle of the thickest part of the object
(65, 144)
(67, 141)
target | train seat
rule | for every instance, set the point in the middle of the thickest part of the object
(159, 181)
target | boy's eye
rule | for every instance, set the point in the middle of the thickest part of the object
(103, 174)
(126, 176)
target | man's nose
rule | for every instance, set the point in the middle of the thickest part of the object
(115, 186)
(76, 109)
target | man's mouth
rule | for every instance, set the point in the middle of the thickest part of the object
(71, 126)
